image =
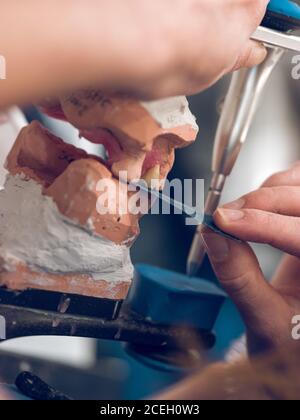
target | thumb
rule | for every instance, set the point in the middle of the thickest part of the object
(253, 54)
(238, 270)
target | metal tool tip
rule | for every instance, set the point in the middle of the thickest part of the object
(192, 269)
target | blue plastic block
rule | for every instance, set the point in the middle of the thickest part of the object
(283, 15)
(168, 298)
(285, 8)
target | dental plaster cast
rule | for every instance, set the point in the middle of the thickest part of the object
(51, 235)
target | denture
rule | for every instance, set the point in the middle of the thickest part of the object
(52, 236)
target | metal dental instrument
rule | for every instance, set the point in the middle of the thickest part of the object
(239, 110)
(277, 39)
(180, 206)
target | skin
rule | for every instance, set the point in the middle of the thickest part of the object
(269, 215)
(57, 45)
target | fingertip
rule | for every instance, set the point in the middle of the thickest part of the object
(226, 216)
(254, 54)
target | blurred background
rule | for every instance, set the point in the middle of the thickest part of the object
(91, 369)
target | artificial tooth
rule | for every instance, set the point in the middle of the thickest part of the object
(152, 177)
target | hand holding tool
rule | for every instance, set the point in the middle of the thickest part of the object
(241, 103)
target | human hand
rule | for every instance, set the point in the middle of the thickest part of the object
(270, 215)
(176, 47)
(150, 49)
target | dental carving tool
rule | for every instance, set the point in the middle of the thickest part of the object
(180, 206)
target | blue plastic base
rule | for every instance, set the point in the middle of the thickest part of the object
(283, 15)
(168, 298)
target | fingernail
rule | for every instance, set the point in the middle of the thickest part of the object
(235, 205)
(217, 247)
(228, 215)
